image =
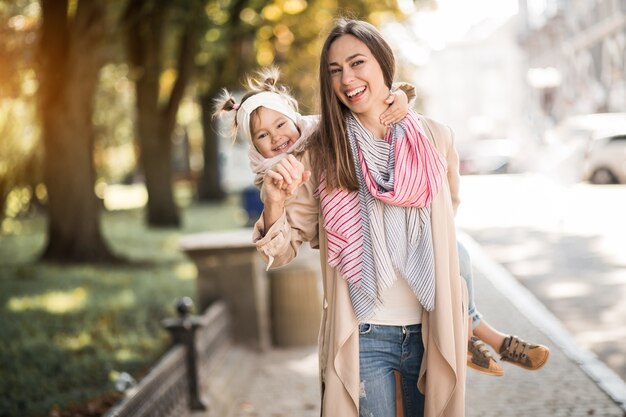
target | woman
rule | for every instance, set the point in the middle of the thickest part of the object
(380, 206)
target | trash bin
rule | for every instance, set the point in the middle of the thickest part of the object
(252, 204)
(295, 304)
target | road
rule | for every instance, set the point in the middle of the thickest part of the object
(566, 243)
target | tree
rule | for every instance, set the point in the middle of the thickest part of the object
(145, 26)
(71, 53)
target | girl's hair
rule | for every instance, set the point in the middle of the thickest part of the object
(265, 79)
(332, 157)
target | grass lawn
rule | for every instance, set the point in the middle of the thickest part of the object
(65, 330)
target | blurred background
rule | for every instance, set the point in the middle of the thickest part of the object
(109, 154)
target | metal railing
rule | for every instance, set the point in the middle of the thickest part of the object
(174, 387)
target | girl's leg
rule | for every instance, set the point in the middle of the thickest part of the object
(479, 357)
(465, 268)
(489, 335)
(511, 348)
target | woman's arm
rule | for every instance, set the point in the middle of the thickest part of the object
(280, 183)
(443, 137)
(290, 216)
(454, 177)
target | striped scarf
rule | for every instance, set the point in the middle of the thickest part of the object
(412, 178)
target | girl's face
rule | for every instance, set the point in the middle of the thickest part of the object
(272, 132)
(356, 76)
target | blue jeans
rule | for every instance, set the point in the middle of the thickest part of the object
(465, 266)
(383, 350)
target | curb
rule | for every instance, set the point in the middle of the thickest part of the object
(545, 321)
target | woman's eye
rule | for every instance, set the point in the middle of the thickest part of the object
(334, 71)
(359, 62)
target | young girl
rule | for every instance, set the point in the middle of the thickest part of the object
(273, 128)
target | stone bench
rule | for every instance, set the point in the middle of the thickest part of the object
(230, 269)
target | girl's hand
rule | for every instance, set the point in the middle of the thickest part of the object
(398, 108)
(283, 179)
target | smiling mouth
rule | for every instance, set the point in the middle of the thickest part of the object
(282, 147)
(356, 93)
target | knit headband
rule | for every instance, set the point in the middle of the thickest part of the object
(266, 99)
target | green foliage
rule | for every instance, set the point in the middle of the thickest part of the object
(64, 329)
(20, 155)
(21, 149)
(237, 37)
(243, 35)
(18, 25)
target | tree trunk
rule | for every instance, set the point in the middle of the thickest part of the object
(145, 42)
(210, 187)
(228, 71)
(156, 161)
(155, 152)
(71, 55)
(155, 121)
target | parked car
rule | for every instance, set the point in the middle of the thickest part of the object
(486, 156)
(605, 160)
(569, 142)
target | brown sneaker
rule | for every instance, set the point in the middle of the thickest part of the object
(526, 355)
(479, 358)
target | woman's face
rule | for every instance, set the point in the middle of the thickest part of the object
(356, 76)
(272, 132)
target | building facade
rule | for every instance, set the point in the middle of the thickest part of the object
(576, 52)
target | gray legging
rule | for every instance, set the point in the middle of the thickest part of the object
(465, 266)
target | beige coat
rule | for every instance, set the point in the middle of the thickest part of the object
(444, 330)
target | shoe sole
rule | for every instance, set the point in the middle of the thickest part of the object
(482, 370)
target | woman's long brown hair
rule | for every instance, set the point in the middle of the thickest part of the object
(332, 157)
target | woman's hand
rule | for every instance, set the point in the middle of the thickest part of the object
(279, 183)
(398, 108)
(284, 178)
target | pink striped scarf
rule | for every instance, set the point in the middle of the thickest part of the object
(418, 174)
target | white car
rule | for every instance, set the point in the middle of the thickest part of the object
(487, 156)
(571, 141)
(605, 160)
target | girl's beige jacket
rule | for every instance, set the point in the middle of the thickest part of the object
(444, 330)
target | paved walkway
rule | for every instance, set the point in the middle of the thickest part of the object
(574, 263)
(286, 383)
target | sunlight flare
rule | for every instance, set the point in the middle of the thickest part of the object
(55, 302)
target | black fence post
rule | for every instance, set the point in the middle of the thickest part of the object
(183, 331)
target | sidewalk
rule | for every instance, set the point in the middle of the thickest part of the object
(286, 381)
